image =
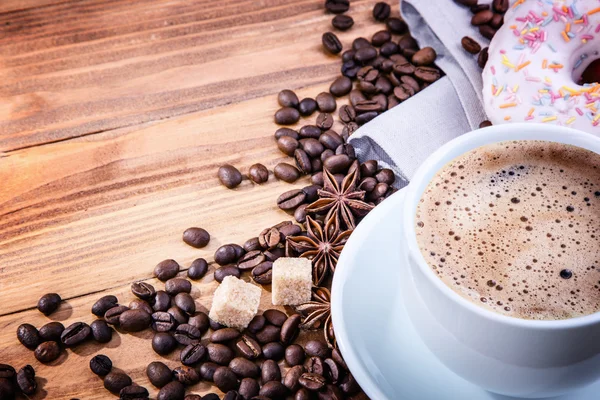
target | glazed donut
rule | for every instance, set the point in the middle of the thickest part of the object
(536, 61)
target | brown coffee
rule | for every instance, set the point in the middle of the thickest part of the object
(515, 227)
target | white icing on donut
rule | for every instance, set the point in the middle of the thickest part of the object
(533, 60)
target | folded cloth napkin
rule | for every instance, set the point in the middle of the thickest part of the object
(404, 136)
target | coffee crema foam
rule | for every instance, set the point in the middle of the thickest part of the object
(515, 227)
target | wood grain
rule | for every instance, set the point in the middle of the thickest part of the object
(115, 117)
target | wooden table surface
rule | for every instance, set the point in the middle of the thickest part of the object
(114, 117)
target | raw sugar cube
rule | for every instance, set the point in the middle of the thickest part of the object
(235, 303)
(292, 281)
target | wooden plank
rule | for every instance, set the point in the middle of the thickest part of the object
(72, 70)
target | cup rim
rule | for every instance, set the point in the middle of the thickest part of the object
(470, 141)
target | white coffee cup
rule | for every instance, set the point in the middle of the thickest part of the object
(505, 355)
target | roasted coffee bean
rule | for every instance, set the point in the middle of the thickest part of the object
(7, 372)
(7, 389)
(215, 326)
(143, 290)
(166, 270)
(366, 87)
(349, 69)
(482, 17)
(470, 45)
(224, 335)
(307, 106)
(275, 317)
(407, 43)
(403, 92)
(427, 74)
(252, 244)
(292, 377)
(229, 175)
(365, 54)
(331, 43)
(163, 343)
(348, 55)
(159, 374)
(274, 254)
(312, 147)
(51, 331)
(244, 368)
(26, 380)
(192, 354)
(411, 82)
(186, 375)
(288, 145)
(289, 329)
(368, 168)
(500, 6)
(207, 370)
(195, 397)
(139, 304)
(425, 56)
(102, 305)
(75, 334)
(249, 388)
(368, 73)
(359, 43)
(252, 258)
(356, 97)
(349, 385)
(342, 22)
(287, 98)
(29, 336)
(180, 316)
(381, 11)
(134, 320)
(392, 101)
(368, 184)
(257, 323)
(283, 116)
(219, 353)
(258, 173)
(268, 334)
(100, 365)
(386, 175)
(326, 102)
(387, 49)
(162, 321)
(337, 163)
(384, 85)
(162, 301)
(47, 352)
(285, 132)
(211, 396)
(341, 86)
(172, 391)
(270, 371)
(314, 365)
(310, 131)
(485, 124)
(467, 3)
(263, 272)
(294, 355)
(115, 381)
(48, 303)
(337, 6)
(312, 382)
(101, 332)
(397, 26)
(303, 394)
(331, 392)
(228, 270)
(324, 121)
(381, 37)
(382, 100)
(225, 379)
(317, 179)
(196, 237)
(404, 68)
(273, 351)
(186, 334)
(337, 357)
(273, 390)
(333, 372)
(302, 162)
(233, 395)
(379, 191)
(316, 348)
(286, 172)
(293, 230)
(134, 392)
(497, 21)
(175, 286)
(346, 114)
(349, 129)
(225, 254)
(483, 57)
(487, 31)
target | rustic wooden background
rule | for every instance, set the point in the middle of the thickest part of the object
(114, 117)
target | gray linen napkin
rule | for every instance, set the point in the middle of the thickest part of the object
(404, 136)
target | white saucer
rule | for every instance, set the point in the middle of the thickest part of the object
(372, 327)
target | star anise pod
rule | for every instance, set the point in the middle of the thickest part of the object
(322, 245)
(317, 314)
(345, 200)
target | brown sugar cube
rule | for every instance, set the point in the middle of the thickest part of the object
(235, 303)
(292, 281)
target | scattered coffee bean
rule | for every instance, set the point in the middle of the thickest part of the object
(163, 343)
(342, 22)
(262, 273)
(485, 124)
(166, 270)
(275, 317)
(101, 332)
(134, 320)
(102, 305)
(487, 31)
(7, 389)
(307, 106)
(304, 394)
(48, 303)
(331, 43)
(397, 26)
(133, 392)
(324, 121)
(228, 270)
(225, 379)
(427, 74)
(249, 388)
(381, 11)
(249, 347)
(219, 353)
(292, 377)
(381, 37)
(29, 336)
(75, 334)
(470, 45)
(143, 290)
(229, 175)
(258, 173)
(207, 370)
(162, 301)
(172, 391)
(196, 237)
(287, 145)
(186, 375)
(196, 397)
(224, 335)
(408, 45)
(341, 86)
(303, 161)
(482, 17)
(26, 380)
(294, 355)
(497, 21)
(185, 302)
(268, 334)
(175, 286)
(273, 351)
(285, 132)
(365, 54)
(47, 352)
(159, 374)
(425, 56)
(337, 163)
(337, 6)
(251, 260)
(283, 116)
(290, 328)
(312, 382)
(333, 372)
(288, 98)
(192, 354)
(270, 371)
(273, 390)
(51, 331)
(316, 348)
(115, 381)
(244, 368)
(138, 304)
(349, 385)
(483, 57)
(100, 365)
(286, 172)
